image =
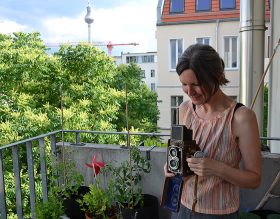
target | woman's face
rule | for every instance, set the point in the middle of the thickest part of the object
(192, 88)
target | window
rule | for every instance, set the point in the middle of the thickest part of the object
(143, 73)
(176, 6)
(203, 5)
(230, 52)
(148, 59)
(131, 59)
(227, 4)
(203, 40)
(176, 49)
(153, 73)
(153, 87)
(175, 103)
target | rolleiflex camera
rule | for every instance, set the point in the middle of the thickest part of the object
(180, 146)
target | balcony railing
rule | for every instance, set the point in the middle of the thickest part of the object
(15, 150)
(40, 140)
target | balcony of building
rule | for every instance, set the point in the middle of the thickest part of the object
(21, 158)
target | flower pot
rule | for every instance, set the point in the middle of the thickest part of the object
(88, 217)
(149, 210)
(71, 206)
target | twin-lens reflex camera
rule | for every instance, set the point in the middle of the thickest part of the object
(180, 147)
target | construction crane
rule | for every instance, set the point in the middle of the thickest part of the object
(109, 45)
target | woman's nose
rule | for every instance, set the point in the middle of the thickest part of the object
(189, 90)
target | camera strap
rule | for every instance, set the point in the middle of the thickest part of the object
(195, 193)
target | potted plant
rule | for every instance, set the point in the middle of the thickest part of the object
(98, 203)
(67, 183)
(127, 184)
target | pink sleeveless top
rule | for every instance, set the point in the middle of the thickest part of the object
(215, 139)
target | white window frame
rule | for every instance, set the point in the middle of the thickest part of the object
(153, 87)
(204, 38)
(230, 53)
(153, 73)
(177, 55)
(176, 107)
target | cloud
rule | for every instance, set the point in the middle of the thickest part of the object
(8, 26)
(121, 24)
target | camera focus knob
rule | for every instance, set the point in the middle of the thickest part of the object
(199, 154)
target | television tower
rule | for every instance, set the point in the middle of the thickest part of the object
(89, 21)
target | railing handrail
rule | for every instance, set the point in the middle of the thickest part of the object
(152, 134)
(29, 139)
(80, 131)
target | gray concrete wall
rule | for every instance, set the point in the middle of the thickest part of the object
(152, 183)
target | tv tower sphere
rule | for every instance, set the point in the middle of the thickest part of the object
(88, 17)
(89, 21)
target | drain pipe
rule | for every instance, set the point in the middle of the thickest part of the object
(252, 28)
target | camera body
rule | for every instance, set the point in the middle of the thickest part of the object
(180, 146)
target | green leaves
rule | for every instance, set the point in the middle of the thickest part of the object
(127, 179)
(96, 202)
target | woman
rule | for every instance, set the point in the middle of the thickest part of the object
(224, 131)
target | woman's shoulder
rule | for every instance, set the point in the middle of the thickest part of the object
(244, 119)
(243, 113)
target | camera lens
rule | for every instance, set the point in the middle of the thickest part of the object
(173, 152)
(174, 164)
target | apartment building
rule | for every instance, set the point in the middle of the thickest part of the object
(147, 62)
(181, 23)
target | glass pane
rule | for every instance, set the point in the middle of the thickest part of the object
(207, 41)
(227, 4)
(234, 52)
(199, 40)
(152, 73)
(173, 101)
(180, 100)
(173, 53)
(226, 53)
(153, 86)
(203, 5)
(173, 116)
(180, 47)
(176, 6)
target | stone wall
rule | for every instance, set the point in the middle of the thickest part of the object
(152, 183)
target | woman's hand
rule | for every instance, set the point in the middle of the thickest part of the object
(204, 166)
(166, 173)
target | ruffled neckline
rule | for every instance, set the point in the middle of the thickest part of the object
(218, 116)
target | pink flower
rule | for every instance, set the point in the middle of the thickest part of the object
(95, 165)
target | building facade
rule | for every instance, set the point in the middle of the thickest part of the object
(147, 62)
(181, 23)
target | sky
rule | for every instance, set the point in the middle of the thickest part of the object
(60, 21)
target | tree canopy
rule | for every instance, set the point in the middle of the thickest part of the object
(82, 79)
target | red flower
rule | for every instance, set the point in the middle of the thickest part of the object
(96, 165)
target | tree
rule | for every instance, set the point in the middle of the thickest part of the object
(87, 81)
(142, 102)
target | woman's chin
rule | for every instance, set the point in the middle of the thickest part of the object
(196, 101)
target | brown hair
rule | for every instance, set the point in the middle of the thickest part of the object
(206, 64)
